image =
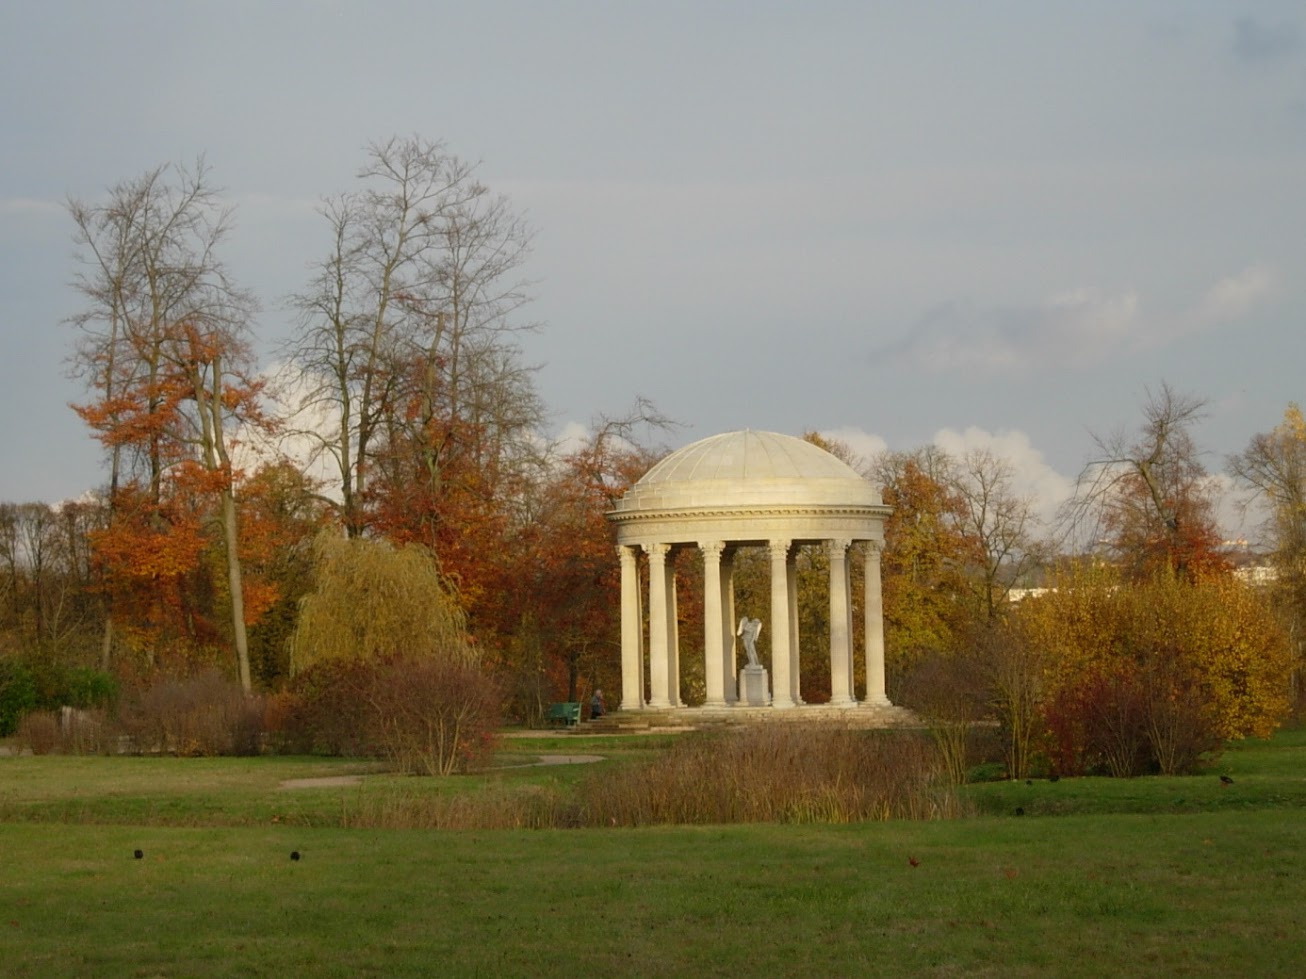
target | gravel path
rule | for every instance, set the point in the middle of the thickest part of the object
(334, 781)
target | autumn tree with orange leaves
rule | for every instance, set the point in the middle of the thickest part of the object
(926, 556)
(562, 623)
(164, 353)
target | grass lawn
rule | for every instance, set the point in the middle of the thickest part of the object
(1185, 877)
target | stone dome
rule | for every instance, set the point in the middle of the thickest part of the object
(748, 469)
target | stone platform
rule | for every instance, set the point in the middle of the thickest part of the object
(676, 719)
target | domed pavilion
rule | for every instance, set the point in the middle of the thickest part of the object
(732, 491)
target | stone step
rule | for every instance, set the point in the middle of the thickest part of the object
(705, 718)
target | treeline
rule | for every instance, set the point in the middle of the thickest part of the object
(404, 380)
(207, 547)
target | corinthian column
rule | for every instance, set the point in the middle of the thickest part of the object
(728, 666)
(632, 634)
(875, 695)
(659, 648)
(714, 635)
(781, 689)
(841, 693)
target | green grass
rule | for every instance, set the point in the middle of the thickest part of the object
(1150, 877)
(1267, 775)
(1210, 894)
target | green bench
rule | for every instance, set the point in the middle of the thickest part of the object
(565, 714)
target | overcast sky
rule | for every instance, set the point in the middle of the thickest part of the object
(964, 222)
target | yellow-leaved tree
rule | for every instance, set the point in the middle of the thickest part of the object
(384, 664)
(373, 600)
(1154, 674)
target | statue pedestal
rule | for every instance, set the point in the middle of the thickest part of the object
(755, 690)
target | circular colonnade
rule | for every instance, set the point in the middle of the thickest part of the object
(726, 492)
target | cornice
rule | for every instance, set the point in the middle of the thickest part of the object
(878, 511)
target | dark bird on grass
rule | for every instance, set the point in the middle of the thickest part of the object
(139, 855)
(1054, 778)
(913, 861)
(294, 854)
(1020, 810)
(1029, 781)
(1226, 780)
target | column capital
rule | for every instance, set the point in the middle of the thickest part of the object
(838, 547)
(712, 548)
(873, 547)
(657, 550)
(779, 548)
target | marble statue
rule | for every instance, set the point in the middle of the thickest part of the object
(750, 629)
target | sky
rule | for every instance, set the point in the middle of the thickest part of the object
(978, 224)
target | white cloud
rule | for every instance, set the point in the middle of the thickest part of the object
(1032, 476)
(861, 442)
(571, 437)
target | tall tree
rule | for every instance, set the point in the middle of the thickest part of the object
(1148, 495)
(926, 555)
(1274, 466)
(1000, 524)
(406, 346)
(566, 569)
(165, 355)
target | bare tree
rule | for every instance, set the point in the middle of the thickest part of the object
(405, 344)
(1000, 521)
(1273, 466)
(1147, 495)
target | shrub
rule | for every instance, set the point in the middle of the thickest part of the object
(86, 688)
(432, 717)
(38, 732)
(425, 716)
(206, 714)
(948, 691)
(324, 712)
(17, 694)
(1154, 675)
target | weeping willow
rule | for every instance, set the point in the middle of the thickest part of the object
(372, 599)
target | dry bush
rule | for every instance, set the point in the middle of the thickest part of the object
(432, 716)
(949, 692)
(425, 716)
(324, 711)
(791, 773)
(38, 732)
(206, 714)
(777, 773)
(1176, 720)
(68, 731)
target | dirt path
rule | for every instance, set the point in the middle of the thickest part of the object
(336, 781)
